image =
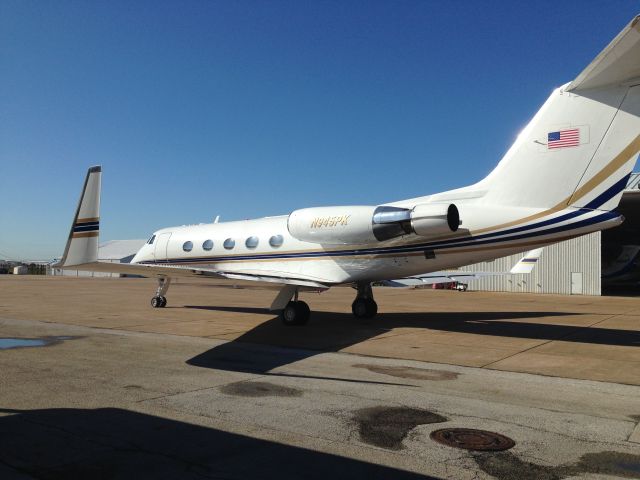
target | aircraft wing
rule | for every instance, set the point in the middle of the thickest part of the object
(229, 279)
(525, 265)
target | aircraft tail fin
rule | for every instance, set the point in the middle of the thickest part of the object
(82, 245)
(580, 147)
(526, 263)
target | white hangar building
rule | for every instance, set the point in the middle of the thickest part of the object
(593, 264)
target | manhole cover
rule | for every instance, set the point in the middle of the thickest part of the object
(471, 439)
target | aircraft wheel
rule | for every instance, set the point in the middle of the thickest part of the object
(364, 308)
(163, 301)
(156, 302)
(295, 313)
(372, 308)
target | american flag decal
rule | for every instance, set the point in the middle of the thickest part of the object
(563, 139)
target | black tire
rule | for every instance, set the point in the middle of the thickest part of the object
(372, 308)
(295, 313)
(359, 308)
(304, 312)
(156, 302)
(163, 302)
(364, 308)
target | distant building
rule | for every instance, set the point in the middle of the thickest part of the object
(20, 270)
(113, 251)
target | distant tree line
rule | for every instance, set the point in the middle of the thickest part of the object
(36, 269)
(32, 268)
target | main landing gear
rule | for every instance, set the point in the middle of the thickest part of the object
(364, 306)
(296, 312)
(159, 300)
(292, 310)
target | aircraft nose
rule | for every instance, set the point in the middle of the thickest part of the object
(139, 256)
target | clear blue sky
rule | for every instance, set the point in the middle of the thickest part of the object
(251, 108)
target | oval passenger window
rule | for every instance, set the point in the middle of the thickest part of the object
(276, 241)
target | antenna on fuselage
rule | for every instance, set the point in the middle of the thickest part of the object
(217, 219)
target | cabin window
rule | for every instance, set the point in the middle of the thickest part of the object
(207, 245)
(150, 241)
(229, 243)
(252, 242)
(187, 246)
(276, 241)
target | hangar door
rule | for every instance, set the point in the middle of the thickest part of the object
(576, 283)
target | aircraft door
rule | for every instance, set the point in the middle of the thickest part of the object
(160, 252)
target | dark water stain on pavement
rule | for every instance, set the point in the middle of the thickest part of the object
(611, 463)
(507, 466)
(259, 389)
(9, 343)
(410, 372)
(387, 427)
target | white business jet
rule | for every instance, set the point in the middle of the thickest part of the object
(561, 178)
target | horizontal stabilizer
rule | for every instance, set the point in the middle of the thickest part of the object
(526, 263)
(618, 63)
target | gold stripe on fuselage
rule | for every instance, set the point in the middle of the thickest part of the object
(372, 256)
(84, 234)
(85, 220)
(608, 170)
(620, 159)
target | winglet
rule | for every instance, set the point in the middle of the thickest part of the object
(526, 263)
(82, 244)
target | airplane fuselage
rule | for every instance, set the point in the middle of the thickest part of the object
(265, 247)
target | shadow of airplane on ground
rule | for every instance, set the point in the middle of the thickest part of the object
(108, 443)
(271, 344)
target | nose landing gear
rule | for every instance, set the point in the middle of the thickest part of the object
(159, 300)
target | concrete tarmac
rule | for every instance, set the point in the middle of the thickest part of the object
(214, 387)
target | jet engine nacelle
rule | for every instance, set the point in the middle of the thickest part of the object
(333, 225)
(358, 225)
(431, 219)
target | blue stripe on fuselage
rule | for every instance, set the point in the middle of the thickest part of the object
(406, 248)
(609, 193)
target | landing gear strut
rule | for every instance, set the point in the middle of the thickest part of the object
(159, 300)
(364, 306)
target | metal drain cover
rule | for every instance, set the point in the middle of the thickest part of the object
(471, 439)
